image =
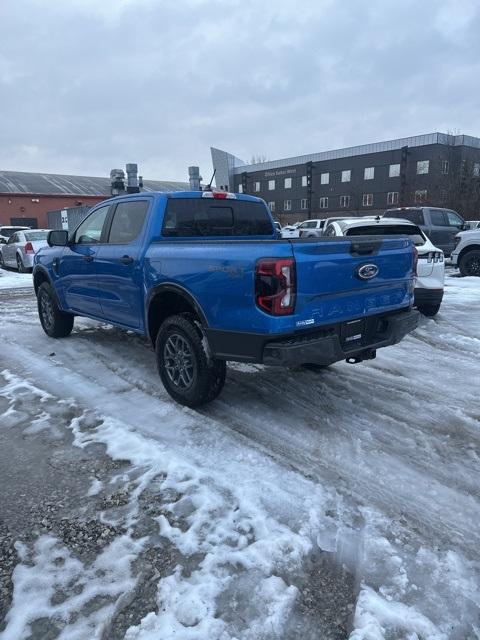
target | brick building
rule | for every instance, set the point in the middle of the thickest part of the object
(434, 169)
(25, 198)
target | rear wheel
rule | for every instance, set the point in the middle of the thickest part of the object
(2, 263)
(470, 263)
(187, 371)
(55, 322)
(20, 266)
(429, 310)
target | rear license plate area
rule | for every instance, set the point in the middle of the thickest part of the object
(352, 333)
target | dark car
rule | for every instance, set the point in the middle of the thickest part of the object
(440, 225)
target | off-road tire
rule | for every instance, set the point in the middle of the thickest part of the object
(55, 322)
(429, 310)
(470, 263)
(194, 379)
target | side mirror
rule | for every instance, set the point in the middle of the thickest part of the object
(465, 226)
(3, 241)
(58, 238)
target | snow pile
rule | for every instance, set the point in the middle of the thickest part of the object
(14, 280)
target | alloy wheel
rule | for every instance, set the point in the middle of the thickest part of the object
(179, 361)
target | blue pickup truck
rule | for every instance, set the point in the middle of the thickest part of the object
(205, 277)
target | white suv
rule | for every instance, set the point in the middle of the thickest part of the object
(431, 265)
(466, 254)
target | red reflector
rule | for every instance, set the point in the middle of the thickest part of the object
(220, 195)
(29, 248)
(275, 285)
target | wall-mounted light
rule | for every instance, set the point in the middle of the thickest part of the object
(35, 199)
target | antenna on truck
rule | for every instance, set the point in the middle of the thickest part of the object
(209, 185)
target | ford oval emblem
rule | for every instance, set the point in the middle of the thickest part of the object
(367, 271)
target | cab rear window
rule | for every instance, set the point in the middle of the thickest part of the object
(411, 231)
(197, 217)
(414, 215)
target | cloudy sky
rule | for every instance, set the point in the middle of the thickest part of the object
(87, 85)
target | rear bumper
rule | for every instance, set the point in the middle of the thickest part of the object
(323, 347)
(428, 296)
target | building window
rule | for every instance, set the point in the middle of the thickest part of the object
(476, 169)
(367, 199)
(324, 178)
(240, 188)
(287, 205)
(346, 175)
(288, 183)
(423, 166)
(304, 181)
(394, 171)
(369, 173)
(344, 201)
(256, 186)
(271, 185)
(272, 206)
(445, 167)
(323, 203)
(443, 195)
(421, 195)
(392, 197)
(303, 203)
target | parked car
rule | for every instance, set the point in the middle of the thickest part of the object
(466, 255)
(473, 224)
(21, 248)
(6, 231)
(440, 225)
(290, 230)
(278, 227)
(310, 228)
(429, 283)
(205, 277)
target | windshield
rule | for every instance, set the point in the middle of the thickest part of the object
(7, 232)
(36, 235)
(409, 230)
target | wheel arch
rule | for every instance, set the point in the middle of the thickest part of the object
(41, 275)
(467, 249)
(168, 299)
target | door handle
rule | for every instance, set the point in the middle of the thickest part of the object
(88, 258)
(126, 260)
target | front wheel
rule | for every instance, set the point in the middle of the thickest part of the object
(470, 263)
(188, 373)
(429, 310)
(55, 322)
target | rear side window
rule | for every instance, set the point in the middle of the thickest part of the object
(414, 215)
(128, 221)
(438, 218)
(196, 217)
(411, 231)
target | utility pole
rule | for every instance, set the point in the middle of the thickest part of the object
(309, 172)
(403, 175)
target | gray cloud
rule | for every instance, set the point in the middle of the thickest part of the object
(89, 85)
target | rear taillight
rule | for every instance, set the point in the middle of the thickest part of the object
(415, 261)
(29, 248)
(275, 285)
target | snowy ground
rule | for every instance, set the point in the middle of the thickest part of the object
(296, 506)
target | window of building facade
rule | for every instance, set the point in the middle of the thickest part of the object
(476, 169)
(367, 199)
(324, 178)
(256, 186)
(303, 203)
(287, 205)
(323, 203)
(304, 181)
(344, 201)
(346, 175)
(271, 185)
(240, 188)
(369, 173)
(288, 183)
(272, 206)
(445, 167)
(420, 195)
(392, 197)
(394, 171)
(423, 167)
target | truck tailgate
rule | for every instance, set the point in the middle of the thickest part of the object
(330, 287)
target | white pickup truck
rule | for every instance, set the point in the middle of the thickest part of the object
(466, 254)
